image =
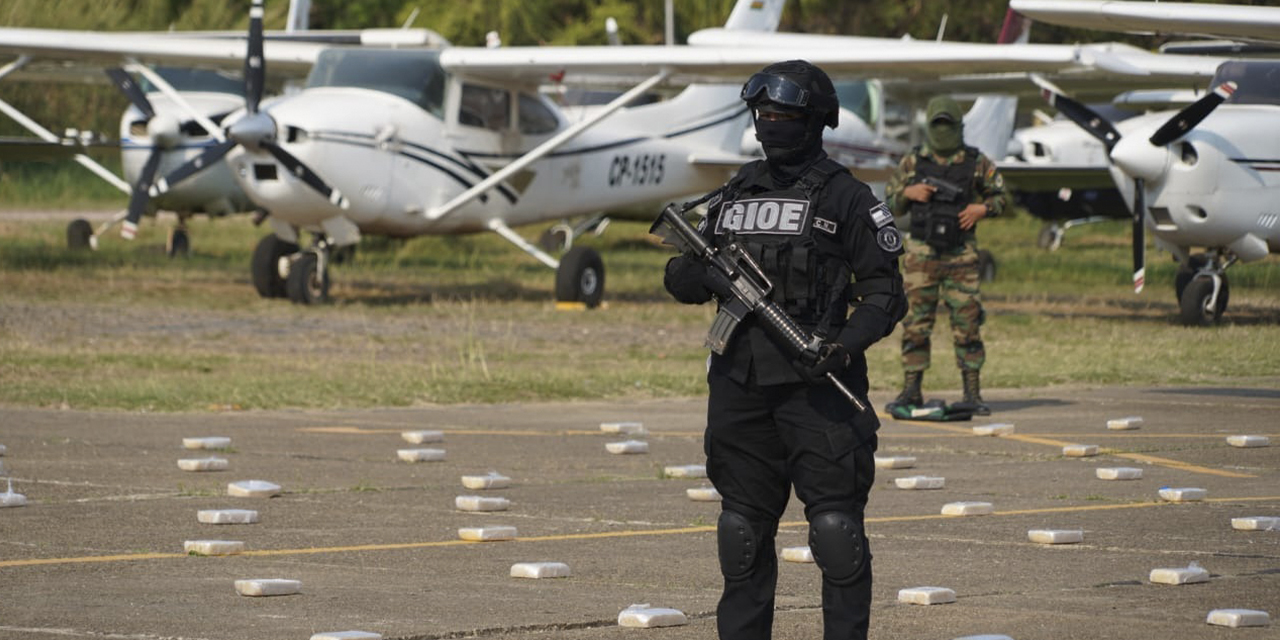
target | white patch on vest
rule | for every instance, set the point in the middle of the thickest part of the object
(880, 215)
(823, 224)
(778, 216)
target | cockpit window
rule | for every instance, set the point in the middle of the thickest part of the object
(414, 75)
(535, 118)
(184, 79)
(485, 107)
(1258, 82)
(858, 98)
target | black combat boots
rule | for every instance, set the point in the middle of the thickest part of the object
(972, 395)
(911, 389)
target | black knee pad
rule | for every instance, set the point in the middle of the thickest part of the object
(838, 546)
(739, 545)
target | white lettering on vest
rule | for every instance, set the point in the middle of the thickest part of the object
(778, 216)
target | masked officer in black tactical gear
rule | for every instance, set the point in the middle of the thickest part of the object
(773, 422)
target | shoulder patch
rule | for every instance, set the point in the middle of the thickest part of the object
(880, 215)
(823, 224)
(889, 239)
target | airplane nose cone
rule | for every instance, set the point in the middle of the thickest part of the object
(1139, 158)
(252, 130)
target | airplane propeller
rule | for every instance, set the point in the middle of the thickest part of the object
(256, 130)
(164, 134)
(1139, 161)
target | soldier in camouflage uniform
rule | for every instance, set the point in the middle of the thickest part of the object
(947, 187)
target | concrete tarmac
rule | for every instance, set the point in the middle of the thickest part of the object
(98, 550)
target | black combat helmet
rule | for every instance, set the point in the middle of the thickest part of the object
(796, 84)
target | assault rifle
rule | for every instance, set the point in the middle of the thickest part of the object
(749, 290)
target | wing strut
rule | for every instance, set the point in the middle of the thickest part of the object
(514, 238)
(47, 136)
(167, 89)
(545, 148)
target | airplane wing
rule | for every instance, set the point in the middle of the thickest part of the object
(1236, 22)
(888, 58)
(98, 49)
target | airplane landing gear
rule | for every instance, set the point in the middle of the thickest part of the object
(986, 266)
(79, 235)
(179, 244)
(580, 277)
(1203, 289)
(308, 281)
(270, 266)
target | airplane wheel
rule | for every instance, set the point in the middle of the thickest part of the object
(580, 277)
(179, 244)
(1195, 302)
(986, 266)
(267, 278)
(306, 284)
(1050, 237)
(79, 234)
(1186, 272)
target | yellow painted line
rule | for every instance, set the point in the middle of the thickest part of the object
(1140, 457)
(586, 536)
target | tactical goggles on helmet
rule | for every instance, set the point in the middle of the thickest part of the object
(779, 90)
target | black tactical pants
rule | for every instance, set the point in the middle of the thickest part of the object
(759, 442)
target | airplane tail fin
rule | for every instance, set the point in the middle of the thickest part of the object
(989, 123)
(755, 15)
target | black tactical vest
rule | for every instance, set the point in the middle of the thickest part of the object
(810, 275)
(937, 221)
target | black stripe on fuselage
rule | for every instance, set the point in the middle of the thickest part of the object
(366, 141)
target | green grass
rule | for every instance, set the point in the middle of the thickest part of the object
(469, 319)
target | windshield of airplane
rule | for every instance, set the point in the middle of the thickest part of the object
(857, 97)
(1258, 82)
(412, 74)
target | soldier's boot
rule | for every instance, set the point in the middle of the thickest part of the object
(972, 395)
(911, 389)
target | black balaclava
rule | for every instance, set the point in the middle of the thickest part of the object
(790, 146)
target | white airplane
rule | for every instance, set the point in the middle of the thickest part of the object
(406, 142)
(1205, 177)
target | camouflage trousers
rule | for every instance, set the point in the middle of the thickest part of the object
(952, 278)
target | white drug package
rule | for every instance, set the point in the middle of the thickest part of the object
(685, 471)
(422, 437)
(206, 443)
(1000, 429)
(268, 587)
(797, 554)
(702, 494)
(1256, 523)
(346, 635)
(1080, 450)
(539, 570)
(642, 616)
(1248, 442)
(1182, 494)
(253, 489)
(227, 516)
(1055, 536)
(895, 462)
(1179, 575)
(420, 455)
(920, 482)
(967, 509)
(213, 547)
(1124, 424)
(627, 446)
(488, 534)
(491, 480)
(926, 595)
(203, 464)
(481, 503)
(1238, 618)
(1118, 473)
(630, 428)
